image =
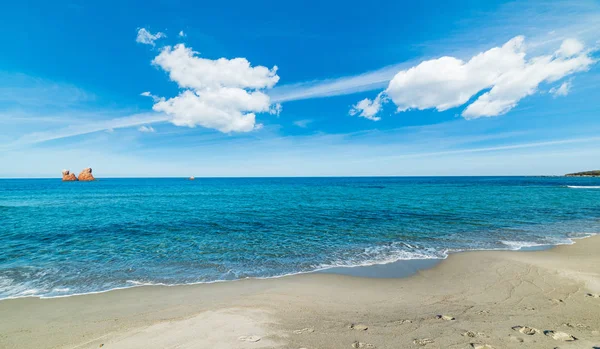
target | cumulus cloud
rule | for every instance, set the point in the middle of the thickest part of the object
(562, 90)
(569, 48)
(369, 108)
(190, 71)
(147, 38)
(181, 34)
(223, 94)
(449, 82)
(146, 129)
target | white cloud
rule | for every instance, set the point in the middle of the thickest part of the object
(225, 109)
(148, 94)
(449, 82)
(523, 80)
(303, 123)
(90, 127)
(146, 129)
(223, 94)
(562, 90)
(28, 91)
(369, 108)
(335, 87)
(191, 71)
(147, 38)
(545, 23)
(181, 34)
(569, 48)
(275, 109)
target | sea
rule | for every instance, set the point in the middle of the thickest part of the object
(66, 238)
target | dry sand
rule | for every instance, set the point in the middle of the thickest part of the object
(493, 299)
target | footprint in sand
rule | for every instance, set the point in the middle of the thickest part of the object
(516, 339)
(423, 341)
(304, 330)
(481, 346)
(402, 322)
(249, 338)
(358, 344)
(472, 334)
(530, 331)
(560, 336)
(568, 324)
(445, 317)
(556, 301)
(593, 295)
(358, 327)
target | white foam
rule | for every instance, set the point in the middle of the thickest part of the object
(394, 257)
(583, 186)
(517, 245)
(61, 290)
(399, 256)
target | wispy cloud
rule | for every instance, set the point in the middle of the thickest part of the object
(90, 127)
(498, 148)
(303, 123)
(453, 148)
(338, 86)
(17, 89)
(146, 129)
(561, 90)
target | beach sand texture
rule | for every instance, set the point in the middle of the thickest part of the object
(487, 299)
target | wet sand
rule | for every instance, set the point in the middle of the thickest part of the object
(487, 299)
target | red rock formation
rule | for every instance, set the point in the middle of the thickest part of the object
(86, 175)
(68, 176)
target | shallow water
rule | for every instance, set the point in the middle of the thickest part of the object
(77, 237)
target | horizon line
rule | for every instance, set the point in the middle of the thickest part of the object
(274, 177)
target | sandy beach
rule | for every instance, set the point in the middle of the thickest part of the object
(487, 299)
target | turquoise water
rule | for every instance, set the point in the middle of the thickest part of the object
(77, 237)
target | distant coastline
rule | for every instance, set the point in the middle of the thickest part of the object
(595, 173)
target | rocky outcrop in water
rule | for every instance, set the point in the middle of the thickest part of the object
(67, 176)
(86, 175)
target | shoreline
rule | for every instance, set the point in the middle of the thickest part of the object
(399, 268)
(485, 291)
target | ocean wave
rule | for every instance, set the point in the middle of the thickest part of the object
(520, 245)
(569, 240)
(380, 255)
(386, 258)
(583, 186)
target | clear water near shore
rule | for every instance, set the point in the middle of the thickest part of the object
(69, 238)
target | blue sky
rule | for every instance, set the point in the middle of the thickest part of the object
(174, 88)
